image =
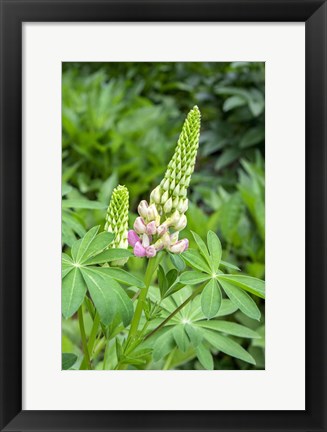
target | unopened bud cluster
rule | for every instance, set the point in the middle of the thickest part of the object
(117, 219)
(159, 223)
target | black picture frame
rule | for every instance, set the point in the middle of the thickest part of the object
(13, 14)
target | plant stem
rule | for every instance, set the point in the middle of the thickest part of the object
(92, 338)
(196, 292)
(84, 341)
(152, 265)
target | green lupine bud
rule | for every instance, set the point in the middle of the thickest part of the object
(181, 166)
(117, 219)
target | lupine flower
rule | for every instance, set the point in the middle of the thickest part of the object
(160, 222)
(117, 219)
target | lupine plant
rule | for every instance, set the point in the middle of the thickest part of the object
(181, 306)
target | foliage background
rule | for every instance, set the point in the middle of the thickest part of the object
(120, 124)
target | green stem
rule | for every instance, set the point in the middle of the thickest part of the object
(84, 341)
(92, 339)
(152, 265)
(196, 292)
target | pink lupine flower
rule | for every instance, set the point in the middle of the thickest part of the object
(162, 229)
(139, 225)
(150, 251)
(151, 228)
(179, 246)
(139, 250)
(133, 238)
(146, 240)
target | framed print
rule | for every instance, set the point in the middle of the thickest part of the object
(163, 215)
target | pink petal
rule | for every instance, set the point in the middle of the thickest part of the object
(139, 250)
(133, 238)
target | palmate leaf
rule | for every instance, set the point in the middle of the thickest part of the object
(253, 285)
(108, 256)
(211, 299)
(215, 250)
(228, 327)
(163, 345)
(107, 295)
(181, 337)
(195, 260)
(205, 357)
(102, 294)
(241, 299)
(227, 346)
(120, 276)
(73, 292)
(193, 277)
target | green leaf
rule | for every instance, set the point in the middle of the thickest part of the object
(193, 277)
(102, 294)
(121, 276)
(233, 102)
(195, 260)
(202, 246)
(124, 303)
(205, 357)
(108, 256)
(252, 137)
(73, 292)
(241, 299)
(211, 299)
(163, 345)
(162, 281)
(181, 337)
(229, 265)
(68, 360)
(67, 265)
(227, 346)
(227, 308)
(98, 244)
(229, 328)
(215, 251)
(253, 285)
(177, 261)
(82, 204)
(84, 244)
(193, 333)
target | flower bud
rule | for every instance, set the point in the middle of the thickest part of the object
(139, 225)
(179, 247)
(181, 224)
(145, 241)
(162, 229)
(143, 209)
(155, 195)
(164, 197)
(152, 213)
(183, 206)
(166, 239)
(133, 238)
(174, 218)
(151, 228)
(168, 206)
(165, 185)
(139, 250)
(174, 237)
(150, 251)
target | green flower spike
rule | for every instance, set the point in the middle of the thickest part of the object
(171, 194)
(117, 219)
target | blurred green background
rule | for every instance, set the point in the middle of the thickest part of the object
(120, 124)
